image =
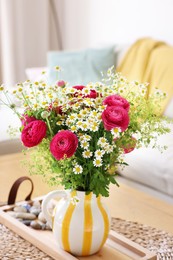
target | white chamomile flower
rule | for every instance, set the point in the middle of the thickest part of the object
(79, 124)
(116, 132)
(84, 144)
(72, 90)
(77, 106)
(94, 126)
(57, 68)
(102, 142)
(97, 162)
(86, 137)
(99, 100)
(143, 92)
(142, 89)
(86, 91)
(84, 126)
(84, 112)
(99, 118)
(108, 149)
(94, 113)
(68, 91)
(94, 123)
(59, 122)
(90, 85)
(99, 153)
(73, 128)
(68, 123)
(77, 169)
(89, 103)
(72, 117)
(79, 116)
(101, 108)
(121, 90)
(87, 154)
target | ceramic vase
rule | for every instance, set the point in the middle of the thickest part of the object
(80, 221)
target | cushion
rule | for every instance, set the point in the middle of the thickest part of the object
(80, 67)
(149, 60)
(151, 167)
(7, 144)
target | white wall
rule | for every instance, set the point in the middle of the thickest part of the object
(98, 22)
(74, 21)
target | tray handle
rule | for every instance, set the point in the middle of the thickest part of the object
(14, 189)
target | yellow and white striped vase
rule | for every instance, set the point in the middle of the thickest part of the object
(80, 222)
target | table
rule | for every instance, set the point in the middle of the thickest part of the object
(124, 202)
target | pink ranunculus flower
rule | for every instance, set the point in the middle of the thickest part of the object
(27, 119)
(92, 94)
(115, 116)
(33, 133)
(129, 148)
(79, 87)
(61, 83)
(63, 144)
(116, 100)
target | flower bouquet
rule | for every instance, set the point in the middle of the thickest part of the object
(78, 135)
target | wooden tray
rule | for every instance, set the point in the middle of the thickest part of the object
(116, 247)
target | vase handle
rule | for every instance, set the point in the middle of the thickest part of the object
(46, 200)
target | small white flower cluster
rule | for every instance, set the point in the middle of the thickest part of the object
(159, 93)
(104, 144)
(98, 157)
(84, 120)
(84, 143)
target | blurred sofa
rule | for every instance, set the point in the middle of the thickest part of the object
(7, 143)
(149, 60)
(148, 169)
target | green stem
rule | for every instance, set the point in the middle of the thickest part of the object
(7, 97)
(14, 110)
(51, 132)
(26, 100)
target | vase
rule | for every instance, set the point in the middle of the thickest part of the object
(80, 221)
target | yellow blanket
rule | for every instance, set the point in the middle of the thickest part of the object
(150, 61)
